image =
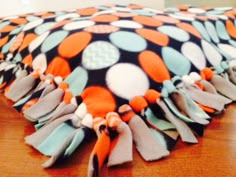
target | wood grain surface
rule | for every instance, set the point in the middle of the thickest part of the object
(213, 156)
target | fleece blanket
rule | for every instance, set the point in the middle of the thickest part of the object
(122, 74)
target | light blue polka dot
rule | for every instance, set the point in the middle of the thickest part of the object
(143, 12)
(221, 30)
(3, 24)
(215, 12)
(175, 61)
(232, 42)
(7, 46)
(17, 30)
(100, 54)
(175, 33)
(128, 41)
(53, 40)
(77, 80)
(212, 31)
(17, 58)
(199, 26)
(32, 18)
(44, 27)
(58, 13)
(172, 9)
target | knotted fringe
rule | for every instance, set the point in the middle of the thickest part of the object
(154, 122)
(146, 143)
(224, 87)
(52, 100)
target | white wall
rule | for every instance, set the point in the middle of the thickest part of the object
(12, 7)
(209, 3)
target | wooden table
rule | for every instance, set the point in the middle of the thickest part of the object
(213, 156)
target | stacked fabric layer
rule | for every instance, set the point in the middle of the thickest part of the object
(122, 73)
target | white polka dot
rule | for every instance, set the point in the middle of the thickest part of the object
(40, 62)
(194, 53)
(230, 50)
(213, 56)
(78, 25)
(33, 24)
(122, 9)
(223, 8)
(126, 24)
(182, 17)
(196, 10)
(66, 16)
(212, 31)
(127, 80)
(103, 12)
(10, 17)
(38, 41)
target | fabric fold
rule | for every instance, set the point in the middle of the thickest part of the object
(21, 87)
(224, 87)
(122, 146)
(149, 147)
(52, 100)
(168, 131)
(208, 99)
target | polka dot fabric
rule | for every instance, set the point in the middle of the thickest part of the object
(109, 55)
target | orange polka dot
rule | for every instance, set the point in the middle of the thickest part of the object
(27, 40)
(58, 67)
(149, 21)
(105, 18)
(19, 21)
(99, 101)
(74, 44)
(182, 7)
(134, 6)
(47, 15)
(150, 61)
(230, 14)
(154, 36)
(202, 18)
(206, 8)
(17, 42)
(87, 11)
(166, 19)
(7, 28)
(28, 60)
(4, 40)
(1, 56)
(189, 28)
(231, 28)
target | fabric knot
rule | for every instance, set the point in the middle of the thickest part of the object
(152, 96)
(138, 103)
(219, 69)
(168, 88)
(64, 86)
(207, 74)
